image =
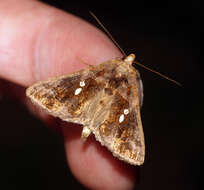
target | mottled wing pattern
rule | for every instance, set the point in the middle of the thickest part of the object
(106, 98)
(117, 125)
(122, 132)
(67, 97)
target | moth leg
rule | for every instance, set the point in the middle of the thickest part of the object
(85, 133)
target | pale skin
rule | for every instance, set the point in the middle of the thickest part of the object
(37, 42)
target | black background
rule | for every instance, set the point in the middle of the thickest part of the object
(164, 36)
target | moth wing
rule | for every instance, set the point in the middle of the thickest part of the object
(68, 97)
(118, 126)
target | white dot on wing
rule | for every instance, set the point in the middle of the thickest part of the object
(121, 119)
(126, 111)
(82, 83)
(77, 91)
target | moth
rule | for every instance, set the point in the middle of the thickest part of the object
(105, 99)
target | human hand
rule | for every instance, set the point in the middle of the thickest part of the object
(37, 42)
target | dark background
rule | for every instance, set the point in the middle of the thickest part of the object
(164, 36)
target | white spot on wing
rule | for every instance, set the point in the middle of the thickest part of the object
(126, 111)
(82, 83)
(121, 119)
(77, 91)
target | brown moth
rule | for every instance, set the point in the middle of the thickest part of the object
(105, 99)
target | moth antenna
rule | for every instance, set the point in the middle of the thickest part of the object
(109, 34)
(124, 54)
(156, 72)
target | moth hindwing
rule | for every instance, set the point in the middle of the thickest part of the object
(105, 99)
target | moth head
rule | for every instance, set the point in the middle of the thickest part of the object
(129, 59)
